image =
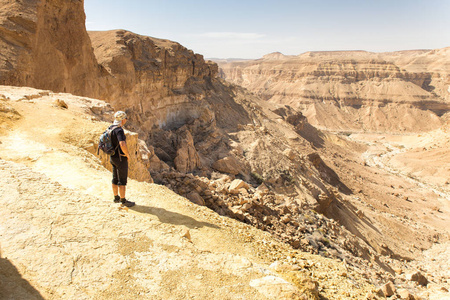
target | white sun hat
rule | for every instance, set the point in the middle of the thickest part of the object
(119, 116)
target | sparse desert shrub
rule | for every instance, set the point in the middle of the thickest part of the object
(257, 177)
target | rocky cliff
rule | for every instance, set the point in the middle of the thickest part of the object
(219, 146)
(44, 44)
(360, 90)
(191, 121)
(160, 82)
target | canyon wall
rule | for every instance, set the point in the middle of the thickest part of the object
(360, 90)
(158, 81)
(44, 44)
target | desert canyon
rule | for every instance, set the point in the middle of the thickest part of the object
(324, 175)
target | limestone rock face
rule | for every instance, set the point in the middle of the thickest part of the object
(187, 159)
(159, 82)
(192, 120)
(40, 50)
(360, 90)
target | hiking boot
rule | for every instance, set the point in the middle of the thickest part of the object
(127, 203)
(116, 199)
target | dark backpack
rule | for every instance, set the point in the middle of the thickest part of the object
(105, 143)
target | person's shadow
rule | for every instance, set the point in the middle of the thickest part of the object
(173, 218)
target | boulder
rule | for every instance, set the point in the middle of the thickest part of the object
(139, 164)
(237, 213)
(194, 197)
(60, 103)
(387, 290)
(417, 277)
(236, 185)
(405, 294)
(228, 165)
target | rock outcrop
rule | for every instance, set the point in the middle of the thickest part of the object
(159, 82)
(44, 44)
(57, 217)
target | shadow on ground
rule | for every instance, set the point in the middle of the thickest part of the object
(173, 218)
(13, 286)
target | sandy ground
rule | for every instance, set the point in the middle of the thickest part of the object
(405, 186)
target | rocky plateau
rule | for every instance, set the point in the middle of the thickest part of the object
(318, 176)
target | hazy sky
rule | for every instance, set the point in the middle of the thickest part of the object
(251, 29)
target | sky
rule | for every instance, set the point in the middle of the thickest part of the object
(252, 28)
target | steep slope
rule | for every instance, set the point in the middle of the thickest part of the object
(71, 184)
(66, 237)
(361, 91)
(190, 117)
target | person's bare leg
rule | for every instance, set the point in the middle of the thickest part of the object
(115, 189)
(122, 190)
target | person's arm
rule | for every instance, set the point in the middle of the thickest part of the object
(123, 146)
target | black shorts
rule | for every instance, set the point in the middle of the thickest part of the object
(120, 170)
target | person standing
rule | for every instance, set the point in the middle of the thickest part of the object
(119, 160)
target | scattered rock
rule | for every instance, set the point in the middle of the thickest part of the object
(398, 270)
(289, 154)
(387, 290)
(60, 103)
(405, 294)
(236, 185)
(417, 277)
(274, 287)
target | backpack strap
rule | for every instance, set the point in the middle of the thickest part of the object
(112, 128)
(118, 143)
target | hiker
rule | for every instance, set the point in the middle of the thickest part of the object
(119, 160)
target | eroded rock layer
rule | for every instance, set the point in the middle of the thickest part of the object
(353, 90)
(160, 82)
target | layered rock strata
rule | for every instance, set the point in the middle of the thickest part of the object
(358, 89)
(161, 83)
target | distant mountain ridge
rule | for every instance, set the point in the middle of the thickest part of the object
(350, 83)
